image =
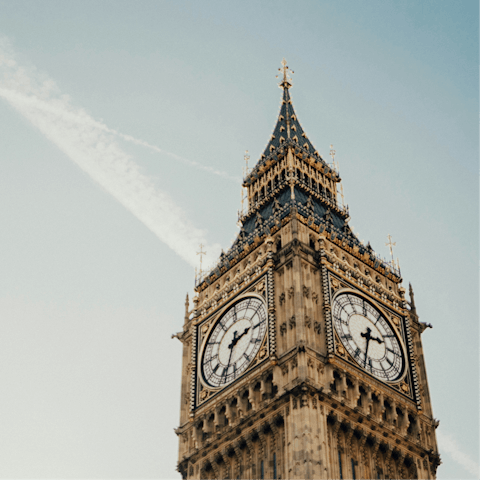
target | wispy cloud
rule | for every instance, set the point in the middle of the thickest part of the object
(449, 445)
(92, 146)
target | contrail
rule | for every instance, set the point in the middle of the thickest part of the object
(81, 117)
(448, 445)
(91, 145)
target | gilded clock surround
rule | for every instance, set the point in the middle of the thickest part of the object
(304, 408)
(392, 324)
(204, 330)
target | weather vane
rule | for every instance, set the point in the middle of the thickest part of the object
(286, 73)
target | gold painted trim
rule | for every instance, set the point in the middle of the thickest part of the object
(223, 311)
(342, 291)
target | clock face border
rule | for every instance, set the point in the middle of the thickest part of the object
(201, 394)
(398, 331)
(214, 322)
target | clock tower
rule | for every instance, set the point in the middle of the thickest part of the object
(302, 357)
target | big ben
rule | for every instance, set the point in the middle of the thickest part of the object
(302, 357)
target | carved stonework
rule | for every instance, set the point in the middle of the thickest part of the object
(204, 394)
(291, 292)
(294, 390)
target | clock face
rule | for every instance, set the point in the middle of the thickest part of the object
(234, 342)
(368, 337)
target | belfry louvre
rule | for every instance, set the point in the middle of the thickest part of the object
(302, 357)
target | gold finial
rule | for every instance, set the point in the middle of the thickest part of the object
(246, 157)
(201, 253)
(332, 154)
(391, 245)
(336, 167)
(243, 190)
(341, 194)
(187, 306)
(286, 74)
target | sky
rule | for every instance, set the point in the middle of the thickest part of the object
(123, 129)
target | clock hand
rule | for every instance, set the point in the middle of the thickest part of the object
(367, 337)
(377, 339)
(244, 333)
(229, 358)
(234, 340)
(366, 351)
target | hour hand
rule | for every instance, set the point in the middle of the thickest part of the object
(234, 340)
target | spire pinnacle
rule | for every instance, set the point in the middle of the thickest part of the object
(286, 73)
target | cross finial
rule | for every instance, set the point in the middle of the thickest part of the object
(332, 153)
(286, 74)
(201, 253)
(390, 245)
(246, 157)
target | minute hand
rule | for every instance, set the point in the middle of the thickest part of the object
(368, 336)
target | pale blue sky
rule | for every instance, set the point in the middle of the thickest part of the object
(95, 272)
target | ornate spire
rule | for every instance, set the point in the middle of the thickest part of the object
(288, 127)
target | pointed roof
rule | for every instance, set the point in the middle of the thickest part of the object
(287, 132)
(288, 126)
(289, 193)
